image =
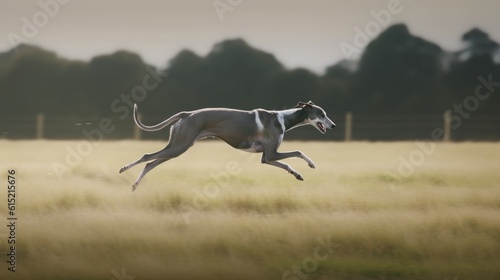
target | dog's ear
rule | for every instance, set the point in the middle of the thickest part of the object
(306, 106)
(299, 105)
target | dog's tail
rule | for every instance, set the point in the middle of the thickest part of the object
(159, 126)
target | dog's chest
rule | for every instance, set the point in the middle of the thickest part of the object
(253, 146)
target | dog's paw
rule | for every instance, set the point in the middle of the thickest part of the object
(123, 169)
(309, 161)
(297, 176)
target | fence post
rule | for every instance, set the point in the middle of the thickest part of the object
(348, 126)
(447, 126)
(39, 126)
(137, 130)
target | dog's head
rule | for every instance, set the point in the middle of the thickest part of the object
(316, 116)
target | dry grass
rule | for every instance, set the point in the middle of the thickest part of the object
(443, 222)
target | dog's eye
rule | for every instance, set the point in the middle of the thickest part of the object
(323, 115)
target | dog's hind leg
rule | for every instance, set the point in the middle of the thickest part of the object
(144, 158)
(182, 138)
(175, 146)
(168, 153)
(146, 169)
(147, 157)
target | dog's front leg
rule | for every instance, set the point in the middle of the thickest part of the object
(307, 159)
(286, 167)
(271, 156)
(274, 156)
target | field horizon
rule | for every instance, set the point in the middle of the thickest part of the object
(370, 210)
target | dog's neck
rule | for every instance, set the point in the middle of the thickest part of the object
(294, 117)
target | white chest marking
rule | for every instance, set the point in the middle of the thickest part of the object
(281, 120)
(260, 126)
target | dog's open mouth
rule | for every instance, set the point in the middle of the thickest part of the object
(321, 127)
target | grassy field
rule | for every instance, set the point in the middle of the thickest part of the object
(217, 213)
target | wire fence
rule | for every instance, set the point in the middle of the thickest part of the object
(349, 128)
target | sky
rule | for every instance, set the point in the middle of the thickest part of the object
(301, 33)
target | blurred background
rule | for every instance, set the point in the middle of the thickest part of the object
(383, 70)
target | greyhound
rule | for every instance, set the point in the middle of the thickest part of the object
(256, 131)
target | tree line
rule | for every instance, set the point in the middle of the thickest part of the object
(398, 73)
